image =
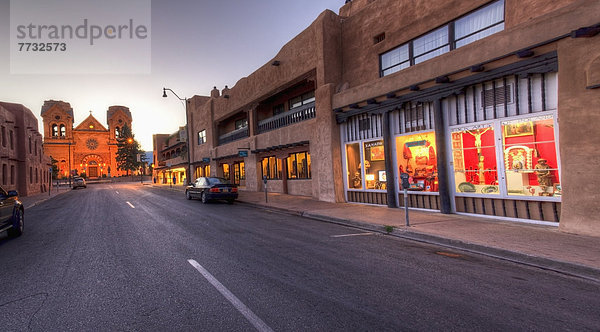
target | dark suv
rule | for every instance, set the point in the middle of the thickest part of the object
(11, 213)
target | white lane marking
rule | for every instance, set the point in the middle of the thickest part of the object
(346, 235)
(116, 191)
(133, 207)
(250, 316)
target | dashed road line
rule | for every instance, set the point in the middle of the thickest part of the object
(133, 207)
(258, 323)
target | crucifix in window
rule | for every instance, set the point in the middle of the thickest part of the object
(480, 168)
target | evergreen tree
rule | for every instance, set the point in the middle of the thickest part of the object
(54, 167)
(127, 151)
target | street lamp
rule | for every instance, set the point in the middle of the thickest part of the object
(187, 129)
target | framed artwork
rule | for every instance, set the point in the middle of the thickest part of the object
(518, 129)
(377, 153)
(382, 176)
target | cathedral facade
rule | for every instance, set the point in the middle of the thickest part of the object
(88, 149)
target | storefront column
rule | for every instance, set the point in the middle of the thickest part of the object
(442, 168)
(284, 181)
(389, 165)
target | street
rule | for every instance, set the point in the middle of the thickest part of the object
(134, 257)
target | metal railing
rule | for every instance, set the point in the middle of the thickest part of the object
(305, 112)
(234, 135)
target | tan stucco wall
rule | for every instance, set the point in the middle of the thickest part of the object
(579, 116)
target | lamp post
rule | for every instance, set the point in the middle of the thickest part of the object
(187, 129)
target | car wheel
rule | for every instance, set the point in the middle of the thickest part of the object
(204, 197)
(18, 224)
(187, 194)
(230, 201)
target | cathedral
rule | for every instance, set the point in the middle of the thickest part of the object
(89, 149)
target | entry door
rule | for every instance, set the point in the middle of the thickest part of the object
(93, 171)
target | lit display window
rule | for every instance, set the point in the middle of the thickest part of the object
(417, 156)
(530, 158)
(474, 156)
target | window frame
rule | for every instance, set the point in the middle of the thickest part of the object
(202, 137)
(451, 43)
(291, 172)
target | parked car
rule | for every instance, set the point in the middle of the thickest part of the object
(12, 213)
(212, 188)
(79, 182)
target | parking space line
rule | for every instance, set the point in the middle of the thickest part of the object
(258, 323)
(133, 207)
(117, 192)
(357, 234)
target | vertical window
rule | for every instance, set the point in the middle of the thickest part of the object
(353, 166)
(63, 131)
(530, 158)
(54, 130)
(30, 174)
(474, 155)
(10, 139)
(202, 137)
(239, 172)
(35, 149)
(431, 45)
(12, 174)
(225, 168)
(37, 175)
(29, 144)
(416, 155)
(374, 164)
(117, 132)
(479, 24)
(299, 166)
(271, 168)
(4, 173)
(3, 136)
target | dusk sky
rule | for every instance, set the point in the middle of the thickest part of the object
(195, 45)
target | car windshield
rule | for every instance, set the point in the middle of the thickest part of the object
(213, 181)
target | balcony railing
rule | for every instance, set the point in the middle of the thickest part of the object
(234, 135)
(305, 112)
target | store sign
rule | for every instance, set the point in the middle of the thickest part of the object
(416, 143)
(243, 153)
(373, 144)
(206, 160)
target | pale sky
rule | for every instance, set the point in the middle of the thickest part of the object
(196, 44)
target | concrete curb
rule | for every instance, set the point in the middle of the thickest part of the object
(567, 268)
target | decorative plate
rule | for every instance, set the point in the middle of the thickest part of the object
(466, 187)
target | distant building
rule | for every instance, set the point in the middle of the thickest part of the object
(90, 148)
(170, 157)
(23, 165)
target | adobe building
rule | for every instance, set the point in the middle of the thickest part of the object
(488, 107)
(24, 167)
(170, 158)
(89, 149)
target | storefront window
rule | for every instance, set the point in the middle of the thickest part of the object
(271, 168)
(354, 166)
(417, 156)
(299, 166)
(225, 171)
(530, 158)
(239, 172)
(474, 157)
(374, 165)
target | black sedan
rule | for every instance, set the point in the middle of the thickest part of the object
(212, 188)
(11, 213)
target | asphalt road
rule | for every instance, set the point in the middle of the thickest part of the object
(132, 257)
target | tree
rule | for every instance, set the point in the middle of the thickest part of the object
(54, 167)
(127, 151)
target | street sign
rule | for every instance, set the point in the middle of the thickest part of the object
(206, 160)
(243, 153)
